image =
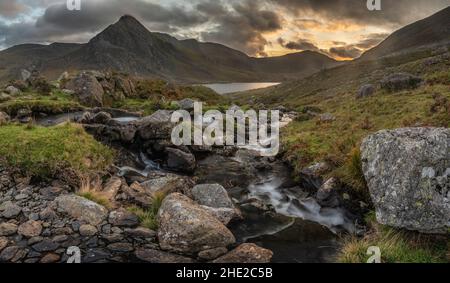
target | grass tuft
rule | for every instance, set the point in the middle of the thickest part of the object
(148, 217)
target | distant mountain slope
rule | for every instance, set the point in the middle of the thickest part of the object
(127, 46)
(432, 30)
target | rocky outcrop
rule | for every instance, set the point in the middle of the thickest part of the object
(408, 174)
(185, 227)
(246, 253)
(400, 81)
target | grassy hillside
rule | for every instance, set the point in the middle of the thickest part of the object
(308, 139)
(334, 91)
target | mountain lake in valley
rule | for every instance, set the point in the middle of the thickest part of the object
(227, 88)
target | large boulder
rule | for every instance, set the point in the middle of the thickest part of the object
(81, 209)
(185, 227)
(400, 81)
(157, 126)
(87, 89)
(246, 253)
(408, 174)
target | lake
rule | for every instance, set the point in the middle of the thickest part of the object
(227, 88)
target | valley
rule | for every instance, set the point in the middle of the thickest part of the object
(87, 157)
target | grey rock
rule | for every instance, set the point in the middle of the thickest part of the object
(187, 228)
(3, 243)
(156, 126)
(30, 229)
(7, 229)
(246, 253)
(123, 218)
(11, 210)
(88, 230)
(120, 247)
(408, 174)
(46, 246)
(155, 256)
(11, 90)
(140, 232)
(212, 254)
(366, 91)
(87, 89)
(187, 104)
(400, 81)
(212, 195)
(4, 118)
(81, 209)
(327, 195)
(8, 253)
(180, 161)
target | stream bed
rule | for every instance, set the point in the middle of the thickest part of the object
(277, 214)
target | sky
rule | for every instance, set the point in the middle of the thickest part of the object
(342, 29)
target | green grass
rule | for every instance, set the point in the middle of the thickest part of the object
(148, 217)
(396, 247)
(44, 152)
(92, 196)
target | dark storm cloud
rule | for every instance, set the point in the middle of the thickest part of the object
(393, 13)
(242, 26)
(300, 44)
(60, 24)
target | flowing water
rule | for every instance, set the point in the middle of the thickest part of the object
(295, 227)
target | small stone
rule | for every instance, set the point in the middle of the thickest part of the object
(155, 256)
(123, 218)
(141, 232)
(3, 243)
(8, 253)
(50, 258)
(7, 229)
(47, 214)
(46, 246)
(30, 229)
(11, 210)
(120, 247)
(35, 240)
(246, 253)
(88, 230)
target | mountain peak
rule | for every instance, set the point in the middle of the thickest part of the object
(127, 18)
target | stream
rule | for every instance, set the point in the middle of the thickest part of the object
(277, 214)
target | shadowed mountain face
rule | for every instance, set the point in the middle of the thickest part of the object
(127, 46)
(432, 30)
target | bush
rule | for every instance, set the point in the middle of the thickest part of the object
(45, 152)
